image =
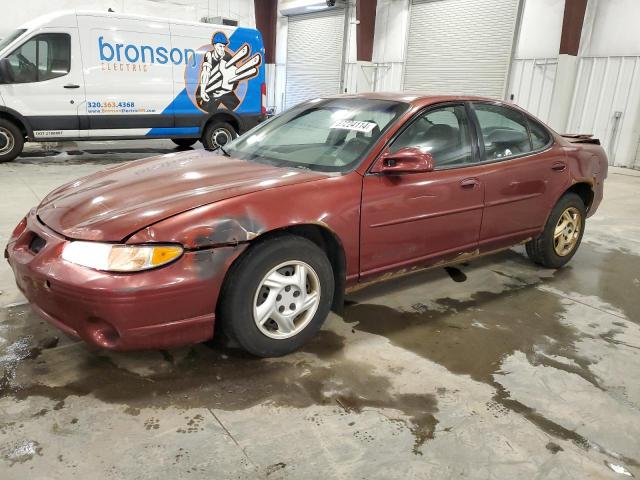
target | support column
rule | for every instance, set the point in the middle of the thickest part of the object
(567, 69)
(266, 12)
(365, 30)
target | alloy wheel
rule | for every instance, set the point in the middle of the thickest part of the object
(567, 231)
(286, 299)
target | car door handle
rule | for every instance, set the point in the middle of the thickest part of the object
(559, 166)
(71, 85)
(469, 183)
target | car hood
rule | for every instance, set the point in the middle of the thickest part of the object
(112, 204)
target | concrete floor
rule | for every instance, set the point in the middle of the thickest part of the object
(496, 369)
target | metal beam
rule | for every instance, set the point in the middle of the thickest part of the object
(365, 29)
(574, 11)
(266, 18)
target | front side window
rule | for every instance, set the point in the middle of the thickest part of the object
(504, 131)
(327, 135)
(41, 58)
(442, 132)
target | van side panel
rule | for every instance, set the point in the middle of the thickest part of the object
(128, 67)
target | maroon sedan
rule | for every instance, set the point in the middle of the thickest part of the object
(266, 236)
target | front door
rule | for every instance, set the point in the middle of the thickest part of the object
(47, 87)
(419, 218)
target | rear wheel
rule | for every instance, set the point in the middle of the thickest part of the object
(562, 235)
(277, 297)
(184, 142)
(11, 141)
(217, 134)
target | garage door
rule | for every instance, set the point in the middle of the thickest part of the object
(460, 46)
(314, 55)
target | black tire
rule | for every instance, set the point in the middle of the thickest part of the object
(184, 142)
(243, 285)
(541, 250)
(11, 141)
(218, 134)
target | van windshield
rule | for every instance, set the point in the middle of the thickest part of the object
(331, 135)
(10, 38)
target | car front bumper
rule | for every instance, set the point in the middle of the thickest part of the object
(165, 307)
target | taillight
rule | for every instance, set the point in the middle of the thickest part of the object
(263, 90)
(21, 227)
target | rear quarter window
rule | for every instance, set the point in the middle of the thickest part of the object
(540, 136)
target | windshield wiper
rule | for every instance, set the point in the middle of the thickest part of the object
(224, 152)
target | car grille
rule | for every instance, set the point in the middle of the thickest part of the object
(37, 243)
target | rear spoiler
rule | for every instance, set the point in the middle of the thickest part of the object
(581, 138)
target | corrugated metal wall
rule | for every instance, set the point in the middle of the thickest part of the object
(606, 102)
(531, 84)
(604, 86)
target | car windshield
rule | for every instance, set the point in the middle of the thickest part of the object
(330, 135)
(10, 38)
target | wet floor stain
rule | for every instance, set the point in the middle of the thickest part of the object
(21, 451)
(216, 377)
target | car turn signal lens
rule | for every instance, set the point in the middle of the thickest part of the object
(120, 258)
(20, 228)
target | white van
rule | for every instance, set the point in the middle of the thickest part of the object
(91, 75)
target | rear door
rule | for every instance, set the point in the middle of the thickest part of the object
(418, 218)
(523, 175)
(47, 86)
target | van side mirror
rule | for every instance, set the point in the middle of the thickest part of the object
(6, 72)
(405, 160)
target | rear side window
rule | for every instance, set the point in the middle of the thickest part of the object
(504, 131)
(41, 58)
(540, 137)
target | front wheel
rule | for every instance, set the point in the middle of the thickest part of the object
(562, 234)
(11, 141)
(277, 297)
(218, 134)
(184, 142)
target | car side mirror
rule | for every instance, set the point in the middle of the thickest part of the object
(6, 73)
(405, 160)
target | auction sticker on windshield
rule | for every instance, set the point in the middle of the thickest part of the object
(354, 125)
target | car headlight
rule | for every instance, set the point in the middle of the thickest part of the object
(120, 258)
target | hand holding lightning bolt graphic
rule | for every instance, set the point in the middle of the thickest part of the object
(221, 73)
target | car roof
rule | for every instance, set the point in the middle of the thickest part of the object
(417, 99)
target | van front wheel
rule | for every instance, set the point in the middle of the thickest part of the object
(11, 141)
(218, 134)
(184, 142)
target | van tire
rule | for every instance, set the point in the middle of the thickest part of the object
(11, 141)
(184, 142)
(217, 133)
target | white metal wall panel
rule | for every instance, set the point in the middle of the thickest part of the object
(606, 85)
(531, 85)
(460, 46)
(314, 55)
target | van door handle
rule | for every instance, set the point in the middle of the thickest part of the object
(469, 183)
(559, 166)
(71, 85)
